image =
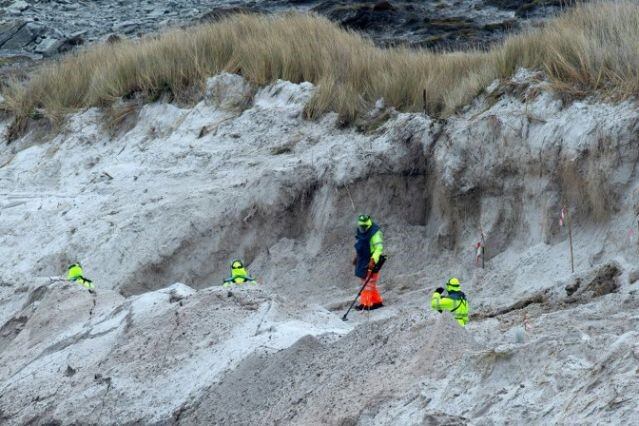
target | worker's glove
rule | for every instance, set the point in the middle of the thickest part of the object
(354, 260)
(371, 264)
(439, 290)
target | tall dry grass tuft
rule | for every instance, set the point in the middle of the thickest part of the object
(590, 48)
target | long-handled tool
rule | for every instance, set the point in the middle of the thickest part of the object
(376, 269)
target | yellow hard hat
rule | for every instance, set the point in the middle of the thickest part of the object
(453, 282)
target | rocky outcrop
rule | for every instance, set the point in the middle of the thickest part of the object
(31, 36)
(41, 28)
(17, 35)
(439, 25)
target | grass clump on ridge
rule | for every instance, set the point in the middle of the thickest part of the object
(590, 48)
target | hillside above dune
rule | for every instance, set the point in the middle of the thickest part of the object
(587, 51)
(31, 30)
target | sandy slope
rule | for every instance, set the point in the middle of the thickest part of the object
(179, 192)
(82, 356)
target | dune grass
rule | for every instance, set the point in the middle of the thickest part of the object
(591, 48)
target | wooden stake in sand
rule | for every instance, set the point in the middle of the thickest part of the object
(483, 247)
(572, 258)
(480, 249)
(565, 217)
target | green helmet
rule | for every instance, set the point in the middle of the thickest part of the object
(364, 222)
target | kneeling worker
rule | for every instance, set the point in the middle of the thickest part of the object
(239, 275)
(76, 275)
(454, 301)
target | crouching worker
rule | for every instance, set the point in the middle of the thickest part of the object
(76, 275)
(239, 275)
(454, 301)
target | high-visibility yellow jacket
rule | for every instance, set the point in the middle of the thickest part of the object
(368, 245)
(75, 274)
(377, 245)
(238, 276)
(454, 302)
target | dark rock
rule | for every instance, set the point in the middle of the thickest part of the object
(382, 5)
(70, 371)
(71, 42)
(572, 288)
(539, 8)
(112, 39)
(507, 4)
(358, 16)
(603, 280)
(102, 380)
(222, 12)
